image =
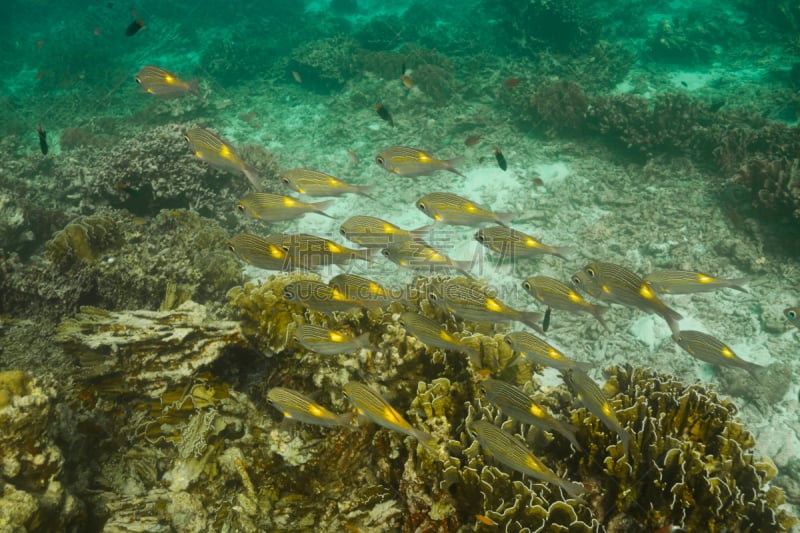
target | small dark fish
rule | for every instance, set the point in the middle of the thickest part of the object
(472, 140)
(512, 82)
(403, 70)
(716, 105)
(135, 26)
(501, 159)
(384, 114)
(42, 140)
(546, 321)
(685, 84)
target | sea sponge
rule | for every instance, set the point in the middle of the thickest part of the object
(82, 240)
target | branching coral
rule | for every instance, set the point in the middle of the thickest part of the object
(775, 185)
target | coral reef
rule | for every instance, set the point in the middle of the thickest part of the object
(325, 65)
(680, 44)
(561, 106)
(775, 185)
(82, 240)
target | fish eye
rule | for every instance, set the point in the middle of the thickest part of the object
(526, 285)
(402, 322)
(379, 160)
(508, 341)
(590, 272)
(385, 252)
(285, 180)
(240, 208)
(342, 232)
(791, 314)
(482, 389)
(432, 297)
(186, 138)
(576, 280)
(421, 206)
(288, 294)
(479, 237)
(138, 80)
(232, 248)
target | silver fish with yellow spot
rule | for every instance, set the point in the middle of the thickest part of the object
(470, 301)
(519, 406)
(219, 153)
(511, 243)
(316, 183)
(325, 341)
(688, 282)
(616, 284)
(411, 162)
(372, 405)
(449, 208)
(366, 292)
(793, 314)
(417, 255)
(309, 251)
(275, 207)
(374, 232)
(538, 352)
(711, 350)
(300, 407)
(557, 295)
(317, 296)
(429, 332)
(164, 84)
(510, 451)
(259, 252)
(586, 390)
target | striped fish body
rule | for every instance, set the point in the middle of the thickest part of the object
(430, 333)
(317, 296)
(259, 252)
(328, 342)
(474, 303)
(219, 153)
(366, 292)
(316, 183)
(275, 207)
(516, 404)
(510, 451)
(299, 407)
(417, 255)
(512, 243)
(687, 282)
(613, 283)
(557, 295)
(539, 352)
(711, 350)
(449, 208)
(309, 251)
(164, 84)
(372, 405)
(586, 390)
(375, 232)
(793, 315)
(412, 162)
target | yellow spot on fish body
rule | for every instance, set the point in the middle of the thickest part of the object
(606, 409)
(169, 79)
(333, 182)
(446, 336)
(390, 414)
(333, 248)
(301, 190)
(148, 90)
(197, 153)
(437, 218)
(276, 252)
(574, 297)
(726, 352)
(289, 202)
(532, 463)
(702, 278)
(423, 157)
(493, 305)
(335, 337)
(388, 229)
(338, 296)
(531, 243)
(554, 354)
(225, 152)
(287, 414)
(645, 292)
(470, 208)
(314, 410)
(605, 288)
(535, 411)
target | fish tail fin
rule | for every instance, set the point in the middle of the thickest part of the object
(672, 317)
(346, 420)
(564, 252)
(426, 439)
(463, 267)
(364, 255)
(450, 164)
(421, 230)
(573, 489)
(364, 190)
(625, 439)
(584, 366)
(474, 356)
(504, 218)
(598, 311)
(320, 207)
(569, 432)
(736, 284)
(193, 87)
(531, 319)
(251, 174)
(363, 340)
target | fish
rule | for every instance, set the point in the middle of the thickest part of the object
(501, 159)
(259, 252)
(688, 282)
(512, 82)
(616, 284)
(519, 406)
(539, 352)
(793, 314)
(472, 140)
(470, 301)
(384, 114)
(512, 243)
(449, 208)
(711, 350)
(586, 390)
(275, 207)
(164, 84)
(309, 251)
(406, 81)
(317, 296)
(372, 405)
(42, 139)
(510, 451)
(134, 27)
(365, 292)
(418, 255)
(299, 407)
(412, 162)
(219, 153)
(557, 295)
(429, 332)
(353, 157)
(316, 183)
(297, 77)
(546, 320)
(329, 342)
(375, 232)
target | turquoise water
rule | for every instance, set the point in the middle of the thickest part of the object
(139, 339)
